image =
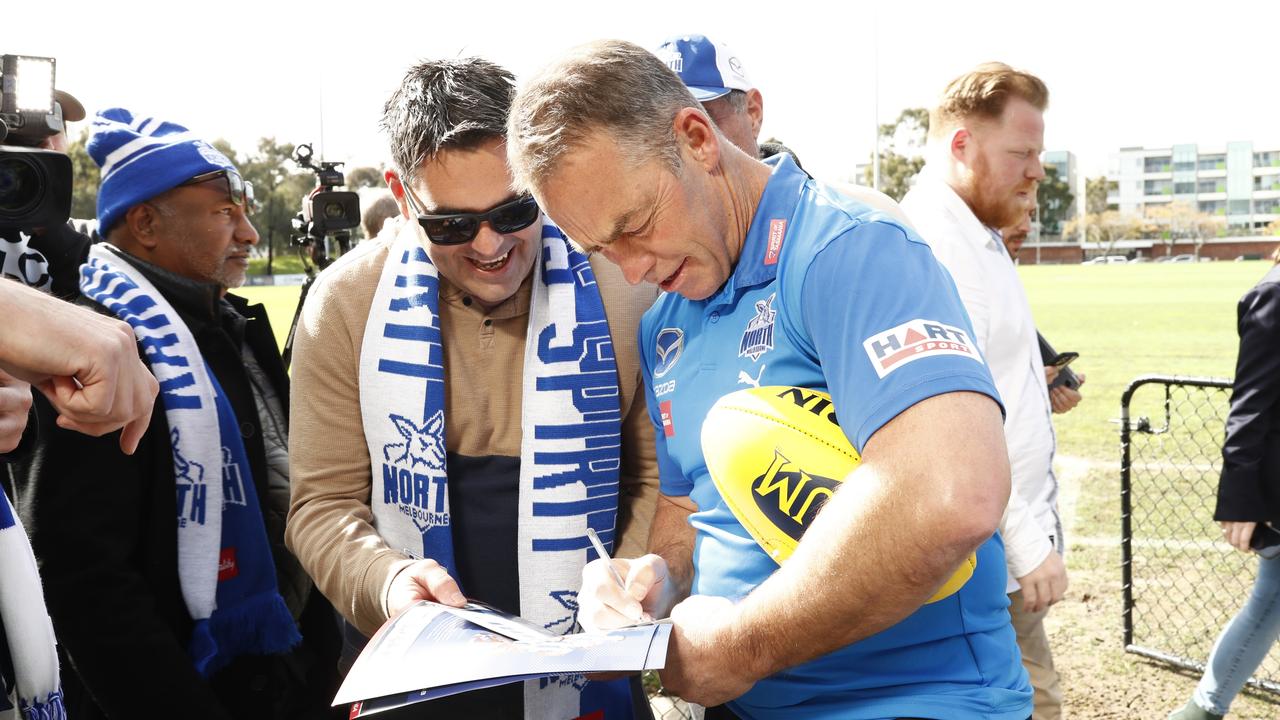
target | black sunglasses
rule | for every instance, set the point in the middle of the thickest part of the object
(238, 189)
(460, 228)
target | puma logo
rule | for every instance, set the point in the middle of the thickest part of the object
(745, 379)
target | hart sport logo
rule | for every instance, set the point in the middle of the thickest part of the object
(790, 497)
(915, 340)
(668, 348)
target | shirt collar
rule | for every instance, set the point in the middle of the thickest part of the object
(948, 198)
(758, 261)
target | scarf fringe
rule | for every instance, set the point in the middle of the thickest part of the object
(261, 625)
(51, 708)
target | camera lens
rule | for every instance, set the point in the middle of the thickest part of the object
(334, 211)
(20, 186)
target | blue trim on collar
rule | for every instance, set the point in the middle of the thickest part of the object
(778, 202)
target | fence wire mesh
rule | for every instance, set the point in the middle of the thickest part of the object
(665, 706)
(1182, 583)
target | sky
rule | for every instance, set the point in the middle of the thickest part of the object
(1120, 73)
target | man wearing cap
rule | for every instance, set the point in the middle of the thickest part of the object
(468, 399)
(165, 571)
(717, 79)
(771, 274)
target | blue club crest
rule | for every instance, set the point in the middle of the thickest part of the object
(757, 339)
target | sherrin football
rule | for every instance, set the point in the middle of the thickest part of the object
(776, 454)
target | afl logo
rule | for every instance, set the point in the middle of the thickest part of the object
(669, 346)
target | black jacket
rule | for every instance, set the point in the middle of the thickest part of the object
(1250, 484)
(103, 528)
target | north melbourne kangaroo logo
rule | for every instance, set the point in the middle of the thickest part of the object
(422, 445)
(418, 494)
(757, 339)
(189, 481)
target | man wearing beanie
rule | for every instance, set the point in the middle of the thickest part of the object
(165, 572)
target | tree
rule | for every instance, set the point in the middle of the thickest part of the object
(85, 178)
(1054, 198)
(1106, 228)
(1181, 221)
(1095, 193)
(901, 152)
(364, 177)
(278, 191)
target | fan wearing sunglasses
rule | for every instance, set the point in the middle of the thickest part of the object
(467, 400)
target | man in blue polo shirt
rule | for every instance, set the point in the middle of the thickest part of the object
(774, 279)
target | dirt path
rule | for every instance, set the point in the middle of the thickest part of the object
(1100, 680)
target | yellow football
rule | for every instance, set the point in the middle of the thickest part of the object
(776, 454)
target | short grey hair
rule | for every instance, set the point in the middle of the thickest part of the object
(737, 99)
(458, 103)
(609, 85)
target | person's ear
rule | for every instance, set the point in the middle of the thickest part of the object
(144, 224)
(397, 190)
(961, 143)
(696, 134)
(755, 111)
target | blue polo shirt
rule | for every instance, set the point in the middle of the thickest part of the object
(831, 295)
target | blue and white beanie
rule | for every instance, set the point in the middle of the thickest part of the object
(143, 157)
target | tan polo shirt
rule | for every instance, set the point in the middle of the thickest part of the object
(330, 520)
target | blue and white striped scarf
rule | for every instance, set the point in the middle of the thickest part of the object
(225, 569)
(569, 452)
(27, 630)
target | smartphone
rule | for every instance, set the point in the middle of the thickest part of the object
(1063, 359)
(1049, 356)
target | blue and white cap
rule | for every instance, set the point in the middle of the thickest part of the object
(709, 69)
(143, 157)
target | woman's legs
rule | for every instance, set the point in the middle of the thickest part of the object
(1243, 643)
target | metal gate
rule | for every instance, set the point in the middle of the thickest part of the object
(1182, 582)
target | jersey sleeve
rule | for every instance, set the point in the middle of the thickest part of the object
(886, 324)
(671, 480)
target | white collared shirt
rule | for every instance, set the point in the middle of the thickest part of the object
(1006, 334)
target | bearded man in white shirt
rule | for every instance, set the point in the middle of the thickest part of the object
(983, 168)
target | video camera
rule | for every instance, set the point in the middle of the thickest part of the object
(326, 212)
(35, 184)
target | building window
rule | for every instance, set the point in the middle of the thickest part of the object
(1213, 162)
(1266, 207)
(1212, 185)
(1184, 188)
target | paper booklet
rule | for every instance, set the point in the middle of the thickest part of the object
(430, 651)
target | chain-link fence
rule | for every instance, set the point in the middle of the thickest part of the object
(1182, 583)
(665, 706)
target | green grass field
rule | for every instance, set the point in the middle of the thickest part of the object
(1131, 320)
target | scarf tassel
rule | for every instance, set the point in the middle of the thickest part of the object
(261, 625)
(50, 709)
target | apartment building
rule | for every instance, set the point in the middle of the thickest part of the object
(1238, 182)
